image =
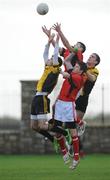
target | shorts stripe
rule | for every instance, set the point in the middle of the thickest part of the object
(74, 111)
(45, 104)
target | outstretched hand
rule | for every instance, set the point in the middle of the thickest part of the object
(57, 38)
(46, 31)
(57, 27)
(65, 74)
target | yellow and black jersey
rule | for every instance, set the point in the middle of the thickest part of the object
(88, 85)
(48, 79)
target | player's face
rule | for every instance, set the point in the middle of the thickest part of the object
(78, 46)
(91, 62)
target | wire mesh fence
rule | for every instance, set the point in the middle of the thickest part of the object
(98, 110)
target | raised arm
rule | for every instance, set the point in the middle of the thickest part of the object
(46, 50)
(68, 60)
(56, 51)
(65, 42)
(46, 53)
(47, 32)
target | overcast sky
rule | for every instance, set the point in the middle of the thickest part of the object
(22, 40)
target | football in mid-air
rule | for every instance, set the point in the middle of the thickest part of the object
(42, 8)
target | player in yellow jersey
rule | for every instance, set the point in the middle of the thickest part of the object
(82, 101)
(90, 79)
(41, 103)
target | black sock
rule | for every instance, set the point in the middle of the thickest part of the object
(59, 130)
(47, 134)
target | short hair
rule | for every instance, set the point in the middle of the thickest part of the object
(97, 58)
(62, 51)
(60, 61)
(83, 66)
(83, 46)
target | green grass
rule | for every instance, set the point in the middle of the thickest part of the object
(51, 167)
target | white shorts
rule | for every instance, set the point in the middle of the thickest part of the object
(65, 111)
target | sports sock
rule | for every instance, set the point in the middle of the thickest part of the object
(75, 141)
(61, 142)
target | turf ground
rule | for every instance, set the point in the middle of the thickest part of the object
(51, 167)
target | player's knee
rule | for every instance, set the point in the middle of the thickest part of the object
(34, 126)
(73, 132)
(40, 126)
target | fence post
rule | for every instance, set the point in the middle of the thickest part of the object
(103, 104)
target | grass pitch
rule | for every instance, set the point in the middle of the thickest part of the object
(51, 167)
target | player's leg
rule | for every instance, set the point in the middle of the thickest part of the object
(59, 126)
(58, 110)
(70, 117)
(39, 129)
(63, 148)
(63, 115)
(38, 115)
(81, 124)
(75, 142)
(81, 106)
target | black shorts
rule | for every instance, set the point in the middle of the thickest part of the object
(40, 105)
(66, 125)
(81, 103)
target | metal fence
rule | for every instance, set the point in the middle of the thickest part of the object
(98, 111)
